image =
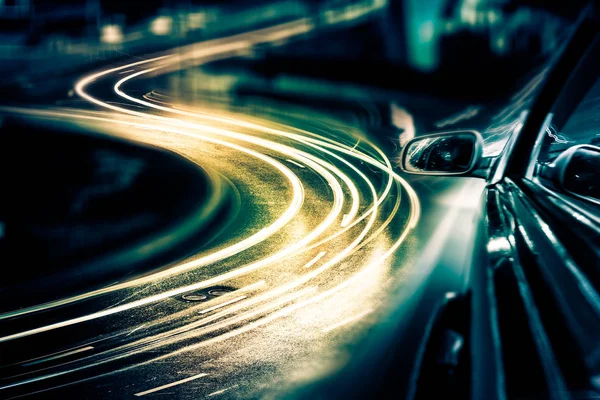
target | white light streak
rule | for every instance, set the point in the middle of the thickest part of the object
(156, 389)
(235, 300)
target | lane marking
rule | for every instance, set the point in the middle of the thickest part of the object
(136, 329)
(124, 72)
(347, 321)
(314, 260)
(221, 391)
(223, 304)
(60, 355)
(156, 389)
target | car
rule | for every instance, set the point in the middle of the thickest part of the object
(534, 290)
(526, 322)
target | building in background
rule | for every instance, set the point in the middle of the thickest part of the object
(35, 20)
(449, 33)
(14, 8)
(473, 30)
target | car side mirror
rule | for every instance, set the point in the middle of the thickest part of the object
(446, 153)
(577, 172)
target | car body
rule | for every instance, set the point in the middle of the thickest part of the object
(526, 322)
(533, 293)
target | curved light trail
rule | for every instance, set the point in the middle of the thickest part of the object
(359, 228)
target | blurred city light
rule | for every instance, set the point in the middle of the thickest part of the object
(111, 34)
(161, 25)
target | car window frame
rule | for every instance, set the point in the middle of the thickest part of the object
(567, 102)
(576, 60)
(575, 90)
(516, 161)
(580, 41)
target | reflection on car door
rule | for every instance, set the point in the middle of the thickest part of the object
(541, 246)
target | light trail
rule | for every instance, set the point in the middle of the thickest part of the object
(226, 303)
(314, 260)
(220, 391)
(278, 314)
(274, 293)
(284, 298)
(68, 353)
(156, 389)
(136, 329)
(265, 232)
(195, 263)
(59, 355)
(295, 163)
(211, 258)
(120, 354)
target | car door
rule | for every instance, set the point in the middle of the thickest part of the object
(535, 330)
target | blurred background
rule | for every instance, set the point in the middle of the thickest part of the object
(469, 56)
(426, 35)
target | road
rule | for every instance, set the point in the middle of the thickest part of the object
(322, 229)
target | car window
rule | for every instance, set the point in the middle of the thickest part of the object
(566, 157)
(582, 127)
